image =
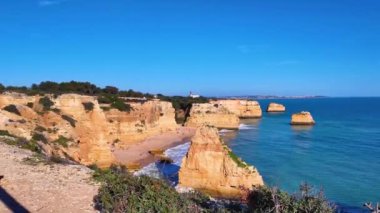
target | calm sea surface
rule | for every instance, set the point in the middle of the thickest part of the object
(340, 154)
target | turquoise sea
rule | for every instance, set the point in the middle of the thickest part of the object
(340, 154)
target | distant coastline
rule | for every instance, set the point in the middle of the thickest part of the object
(263, 97)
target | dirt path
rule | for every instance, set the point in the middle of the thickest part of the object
(43, 188)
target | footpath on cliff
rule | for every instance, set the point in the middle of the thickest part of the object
(29, 186)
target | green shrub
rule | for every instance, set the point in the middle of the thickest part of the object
(2, 88)
(266, 199)
(88, 106)
(5, 133)
(123, 192)
(22, 143)
(69, 119)
(46, 103)
(62, 141)
(39, 137)
(115, 102)
(13, 109)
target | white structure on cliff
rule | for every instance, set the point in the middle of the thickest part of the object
(194, 95)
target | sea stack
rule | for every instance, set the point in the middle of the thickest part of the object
(275, 107)
(302, 118)
(212, 114)
(210, 166)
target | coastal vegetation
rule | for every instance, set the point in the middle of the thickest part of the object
(265, 199)
(120, 191)
(20, 142)
(46, 103)
(88, 106)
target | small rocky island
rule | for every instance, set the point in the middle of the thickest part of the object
(275, 107)
(302, 118)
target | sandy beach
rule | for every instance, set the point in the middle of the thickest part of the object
(138, 153)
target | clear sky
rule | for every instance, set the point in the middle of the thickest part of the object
(211, 47)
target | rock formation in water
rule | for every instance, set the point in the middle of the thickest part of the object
(242, 108)
(210, 166)
(275, 107)
(63, 125)
(212, 114)
(302, 118)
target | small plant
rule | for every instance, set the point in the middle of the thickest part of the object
(13, 109)
(62, 141)
(69, 119)
(54, 158)
(88, 106)
(46, 103)
(35, 159)
(22, 143)
(39, 137)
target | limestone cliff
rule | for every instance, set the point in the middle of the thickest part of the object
(275, 107)
(210, 166)
(242, 108)
(212, 114)
(86, 135)
(302, 118)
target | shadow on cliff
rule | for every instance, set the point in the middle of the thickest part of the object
(11, 203)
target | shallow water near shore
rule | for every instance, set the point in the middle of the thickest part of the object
(340, 154)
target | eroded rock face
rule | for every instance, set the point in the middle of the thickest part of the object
(212, 114)
(302, 118)
(275, 107)
(90, 135)
(242, 108)
(210, 166)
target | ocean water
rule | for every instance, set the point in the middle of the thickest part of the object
(340, 154)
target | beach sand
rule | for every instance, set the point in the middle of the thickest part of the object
(139, 153)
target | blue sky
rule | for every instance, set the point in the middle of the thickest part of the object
(213, 47)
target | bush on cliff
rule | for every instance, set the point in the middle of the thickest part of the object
(266, 199)
(13, 109)
(115, 102)
(46, 103)
(69, 119)
(120, 191)
(88, 106)
(2, 88)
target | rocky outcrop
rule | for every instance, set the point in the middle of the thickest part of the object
(302, 118)
(242, 108)
(89, 135)
(275, 107)
(212, 114)
(210, 166)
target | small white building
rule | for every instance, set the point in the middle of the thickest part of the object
(194, 95)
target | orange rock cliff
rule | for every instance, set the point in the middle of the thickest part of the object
(90, 135)
(210, 166)
(212, 114)
(242, 108)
